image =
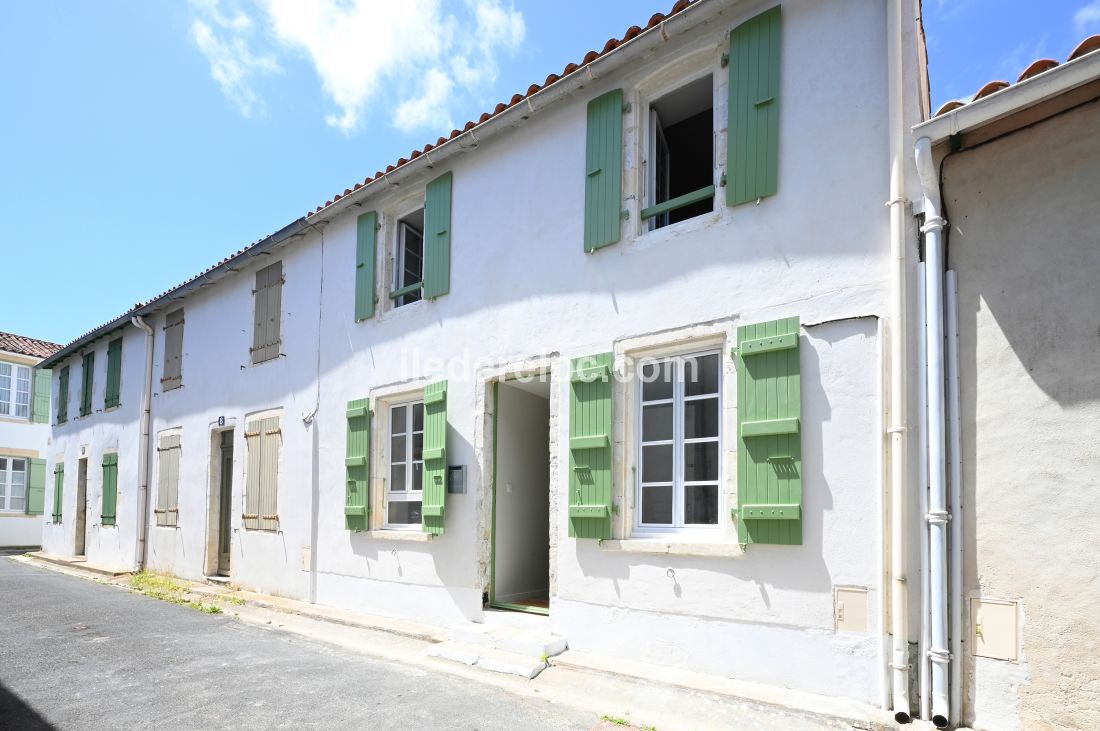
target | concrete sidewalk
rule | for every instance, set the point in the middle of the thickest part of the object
(641, 694)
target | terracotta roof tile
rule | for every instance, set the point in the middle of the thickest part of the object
(23, 345)
(1037, 67)
(1088, 45)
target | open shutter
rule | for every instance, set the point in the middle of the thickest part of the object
(253, 435)
(58, 490)
(365, 256)
(590, 446)
(36, 487)
(437, 237)
(114, 374)
(752, 144)
(357, 461)
(87, 375)
(110, 489)
(769, 431)
(63, 396)
(435, 457)
(266, 336)
(603, 183)
(41, 404)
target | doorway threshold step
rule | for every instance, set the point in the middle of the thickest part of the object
(521, 640)
(490, 659)
(217, 580)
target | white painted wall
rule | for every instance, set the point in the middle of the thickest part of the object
(1024, 241)
(23, 439)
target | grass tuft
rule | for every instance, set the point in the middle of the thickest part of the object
(159, 586)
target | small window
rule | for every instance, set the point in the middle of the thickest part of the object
(679, 441)
(404, 487)
(680, 157)
(15, 390)
(408, 260)
(13, 485)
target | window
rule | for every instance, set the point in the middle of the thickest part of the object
(87, 375)
(15, 390)
(680, 157)
(63, 395)
(404, 489)
(13, 485)
(168, 480)
(679, 441)
(173, 351)
(261, 507)
(266, 336)
(408, 260)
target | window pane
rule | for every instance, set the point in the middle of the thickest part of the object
(417, 476)
(657, 504)
(701, 418)
(418, 446)
(397, 478)
(701, 374)
(16, 503)
(657, 463)
(656, 380)
(656, 422)
(397, 420)
(397, 448)
(418, 417)
(403, 513)
(701, 504)
(701, 462)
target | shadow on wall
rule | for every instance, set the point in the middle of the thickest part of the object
(15, 713)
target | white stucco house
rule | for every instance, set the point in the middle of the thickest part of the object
(24, 434)
(639, 350)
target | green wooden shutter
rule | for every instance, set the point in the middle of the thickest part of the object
(752, 144)
(357, 462)
(437, 237)
(590, 446)
(365, 256)
(114, 374)
(43, 383)
(110, 488)
(87, 376)
(435, 457)
(603, 182)
(36, 487)
(58, 490)
(63, 396)
(769, 446)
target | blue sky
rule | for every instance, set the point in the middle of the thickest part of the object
(143, 141)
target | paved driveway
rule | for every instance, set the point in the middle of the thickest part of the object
(80, 655)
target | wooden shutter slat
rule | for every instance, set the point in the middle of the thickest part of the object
(36, 486)
(357, 465)
(437, 237)
(40, 404)
(435, 458)
(114, 374)
(590, 408)
(603, 171)
(366, 253)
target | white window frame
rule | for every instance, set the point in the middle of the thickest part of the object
(10, 405)
(411, 492)
(7, 484)
(678, 442)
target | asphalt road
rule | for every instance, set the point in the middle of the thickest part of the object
(79, 655)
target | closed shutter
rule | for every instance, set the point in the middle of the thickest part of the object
(357, 464)
(168, 480)
(110, 489)
(590, 446)
(114, 374)
(435, 457)
(36, 486)
(752, 144)
(769, 447)
(87, 376)
(366, 244)
(437, 237)
(173, 351)
(58, 490)
(266, 337)
(603, 182)
(63, 396)
(43, 383)
(263, 437)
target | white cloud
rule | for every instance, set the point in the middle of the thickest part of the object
(225, 41)
(1087, 18)
(413, 57)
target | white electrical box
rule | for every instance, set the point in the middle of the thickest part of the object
(993, 629)
(850, 608)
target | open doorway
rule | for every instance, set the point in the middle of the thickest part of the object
(219, 521)
(520, 576)
(80, 523)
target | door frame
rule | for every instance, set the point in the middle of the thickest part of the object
(215, 470)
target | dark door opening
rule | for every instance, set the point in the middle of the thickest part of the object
(225, 502)
(521, 499)
(81, 518)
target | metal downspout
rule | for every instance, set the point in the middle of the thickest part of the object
(144, 470)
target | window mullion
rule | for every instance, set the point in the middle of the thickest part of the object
(678, 443)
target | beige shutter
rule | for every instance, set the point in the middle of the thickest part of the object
(173, 351)
(261, 507)
(266, 342)
(168, 479)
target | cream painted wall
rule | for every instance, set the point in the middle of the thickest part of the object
(1024, 240)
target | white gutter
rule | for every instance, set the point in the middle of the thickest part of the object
(954, 450)
(144, 470)
(899, 594)
(937, 516)
(1021, 95)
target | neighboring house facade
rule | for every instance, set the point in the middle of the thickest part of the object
(24, 435)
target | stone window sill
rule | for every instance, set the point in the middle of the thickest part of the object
(398, 535)
(673, 548)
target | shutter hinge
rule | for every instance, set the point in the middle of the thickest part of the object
(626, 107)
(625, 214)
(725, 60)
(722, 181)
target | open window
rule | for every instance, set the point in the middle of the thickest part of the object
(404, 488)
(409, 260)
(680, 155)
